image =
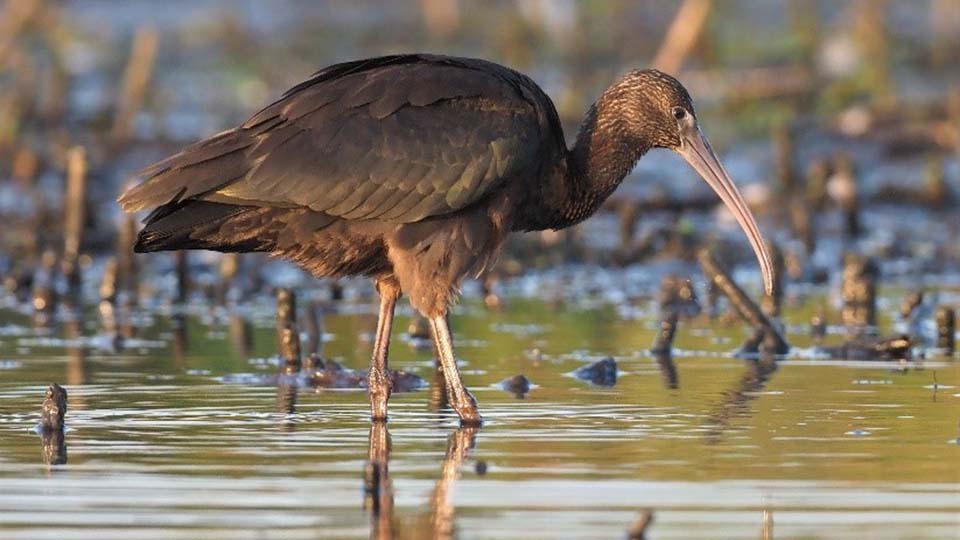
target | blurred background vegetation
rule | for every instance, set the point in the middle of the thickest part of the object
(132, 81)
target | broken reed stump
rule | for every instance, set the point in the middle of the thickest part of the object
(286, 311)
(663, 343)
(677, 294)
(628, 212)
(859, 291)
(742, 304)
(44, 296)
(126, 262)
(802, 225)
(518, 385)
(419, 327)
(910, 302)
(639, 529)
(74, 215)
(290, 350)
(136, 77)
(52, 414)
(229, 267)
(846, 194)
(946, 330)
(314, 327)
(290, 366)
(818, 327)
(784, 151)
(54, 408)
(662, 349)
(818, 177)
(108, 285)
(336, 290)
(684, 31)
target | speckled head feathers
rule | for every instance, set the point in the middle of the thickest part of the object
(651, 103)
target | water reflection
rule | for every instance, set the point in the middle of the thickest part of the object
(54, 446)
(668, 369)
(378, 487)
(735, 402)
(287, 398)
(459, 445)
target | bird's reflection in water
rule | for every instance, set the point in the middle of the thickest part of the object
(735, 402)
(378, 487)
(668, 369)
(459, 445)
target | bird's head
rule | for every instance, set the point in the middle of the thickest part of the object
(655, 111)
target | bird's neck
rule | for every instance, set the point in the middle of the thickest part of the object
(596, 165)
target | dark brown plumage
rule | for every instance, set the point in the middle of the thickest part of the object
(412, 169)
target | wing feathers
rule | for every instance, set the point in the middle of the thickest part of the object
(395, 138)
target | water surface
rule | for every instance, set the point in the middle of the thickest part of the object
(165, 441)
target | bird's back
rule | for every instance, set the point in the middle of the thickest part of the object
(395, 138)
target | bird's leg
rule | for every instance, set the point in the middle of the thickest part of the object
(379, 382)
(457, 394)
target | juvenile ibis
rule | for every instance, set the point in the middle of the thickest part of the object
(412, 169)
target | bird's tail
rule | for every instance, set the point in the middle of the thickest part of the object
(195, 224)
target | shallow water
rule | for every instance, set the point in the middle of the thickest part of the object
(160, 446)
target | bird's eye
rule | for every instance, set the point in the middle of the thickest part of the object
(679, 113)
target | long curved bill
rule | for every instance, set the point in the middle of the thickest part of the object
(696, 149)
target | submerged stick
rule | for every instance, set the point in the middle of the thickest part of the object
(744, 306)
(54, 408)
(74, 214)
(52, 414)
